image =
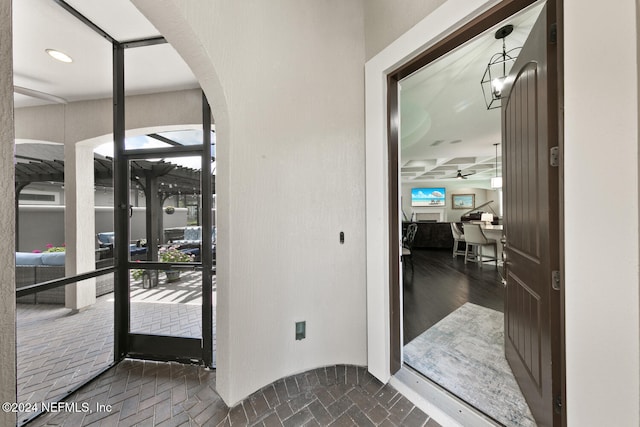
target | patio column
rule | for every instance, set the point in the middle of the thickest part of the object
(152, 215)
(79, 222)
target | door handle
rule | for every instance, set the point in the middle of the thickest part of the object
(505, 263)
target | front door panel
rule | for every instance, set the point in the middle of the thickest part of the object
(531, 219)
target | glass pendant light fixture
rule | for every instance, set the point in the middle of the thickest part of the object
(497, 69)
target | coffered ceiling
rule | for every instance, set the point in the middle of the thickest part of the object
(445, 125)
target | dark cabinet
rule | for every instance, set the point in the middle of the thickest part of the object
(432, 235)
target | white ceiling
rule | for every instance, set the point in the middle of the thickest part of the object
(445, 125)
(43, 24)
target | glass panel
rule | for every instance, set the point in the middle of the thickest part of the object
(59, 348)
(40, 219)
(57, 351)
(144, 142)
(172, 307)
(166, 302)
(103, 201)
(188, 137)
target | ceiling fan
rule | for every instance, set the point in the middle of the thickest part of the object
(460, 175)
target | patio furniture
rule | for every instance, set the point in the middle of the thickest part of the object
(32, 268)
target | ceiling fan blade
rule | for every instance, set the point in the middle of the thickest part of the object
(460, 175)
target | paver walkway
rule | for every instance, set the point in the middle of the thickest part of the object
(144, 393)
(57, 350)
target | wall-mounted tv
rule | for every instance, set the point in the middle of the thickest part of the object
(431, 196)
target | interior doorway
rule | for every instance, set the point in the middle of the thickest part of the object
(439, 173)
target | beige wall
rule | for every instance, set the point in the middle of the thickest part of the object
(83, 120)
(7, 224)
(601, 133)
(385, 21)
(285, 80)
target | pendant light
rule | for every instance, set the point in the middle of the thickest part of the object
(497, 69)
(496, 182)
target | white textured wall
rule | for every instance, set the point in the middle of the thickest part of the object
(84, 120)
(285, 80)
(601, 131)
(7, 225)
(387, 20)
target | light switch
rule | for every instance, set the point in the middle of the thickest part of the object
(301, 330)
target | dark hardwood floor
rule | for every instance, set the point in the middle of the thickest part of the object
(440, 284)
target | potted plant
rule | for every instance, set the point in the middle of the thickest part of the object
(173, 255)
(51, 248)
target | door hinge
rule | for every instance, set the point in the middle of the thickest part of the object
(555, 280)
(554, 156)
(557, 404)
(553, 33)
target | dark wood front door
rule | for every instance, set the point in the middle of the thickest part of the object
(531, 192)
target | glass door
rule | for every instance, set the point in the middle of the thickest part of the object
(169, 250)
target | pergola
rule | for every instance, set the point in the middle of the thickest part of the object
(175, 179)
(158, 180)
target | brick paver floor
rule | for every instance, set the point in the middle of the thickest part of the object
(58, 350)
(144, 393)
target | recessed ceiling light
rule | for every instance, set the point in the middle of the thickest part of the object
(60, 56)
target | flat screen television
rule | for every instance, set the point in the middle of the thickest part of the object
(431, 196)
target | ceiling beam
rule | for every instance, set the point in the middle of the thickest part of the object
(125, 44)
(66, 6)
(165, 139)
(144, 42)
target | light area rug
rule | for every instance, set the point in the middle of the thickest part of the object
(464, 353)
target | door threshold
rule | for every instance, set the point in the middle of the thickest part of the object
(445, 408)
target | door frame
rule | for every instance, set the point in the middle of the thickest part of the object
(150, 346)
(466, 32)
